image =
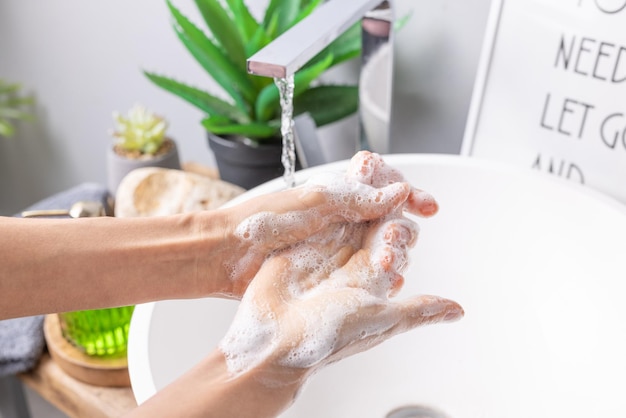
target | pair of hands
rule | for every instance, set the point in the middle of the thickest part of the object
(316, 268)
(314, 208)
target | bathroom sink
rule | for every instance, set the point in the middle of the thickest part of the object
(537, 263)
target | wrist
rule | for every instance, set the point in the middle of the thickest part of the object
(225, 263)
(214, 237)
(269, 389)
(210, 390)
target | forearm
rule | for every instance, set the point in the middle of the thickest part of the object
(208, 390)
(57, 265)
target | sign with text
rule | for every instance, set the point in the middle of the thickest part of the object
(551, 90)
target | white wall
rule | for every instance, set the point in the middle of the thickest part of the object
(83, 60)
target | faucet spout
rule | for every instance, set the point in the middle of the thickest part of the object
(290, 51)
(297, 46)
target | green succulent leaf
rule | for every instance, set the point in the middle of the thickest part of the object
(17, 101)
(263, 36)
(347, 46)
(327, 104)
(306, 3)
(199, 98)
(232, 79)
(12, 107)
(140, 130)
(9, 88)
(6, 128)
(287, 12)
(12, 113)
(306, 9)
(402, 21)
(246, 23)
(260, 39)
(11, 100)
(224, 30)
(268, 102)
(258, 130)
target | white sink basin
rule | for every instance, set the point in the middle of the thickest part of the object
(537, 263)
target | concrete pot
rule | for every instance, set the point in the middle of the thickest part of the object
(119, 166)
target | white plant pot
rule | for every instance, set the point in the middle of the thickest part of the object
(119, 166)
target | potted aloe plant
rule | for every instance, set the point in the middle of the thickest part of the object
(12, 107)
(244, 128)
(140, 140)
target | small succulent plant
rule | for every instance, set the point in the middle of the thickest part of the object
(252, 108)
(12, 107)
(140, 131)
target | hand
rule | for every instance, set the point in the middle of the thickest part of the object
(325, 299)
(370, 190)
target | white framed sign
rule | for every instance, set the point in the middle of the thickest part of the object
(550, 93)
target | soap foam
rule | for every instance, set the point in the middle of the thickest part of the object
(260, 228)
(255, 332)
(343, 189)
(247, 344)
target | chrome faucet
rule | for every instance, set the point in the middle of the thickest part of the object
(293, 49)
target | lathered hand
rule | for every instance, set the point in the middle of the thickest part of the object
(369, 191)
(321, 301)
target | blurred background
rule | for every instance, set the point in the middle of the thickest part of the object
(83, 60)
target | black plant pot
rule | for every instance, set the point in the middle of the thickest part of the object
(244, 163)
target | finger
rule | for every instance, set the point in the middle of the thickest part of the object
(426, 309)
(341, 257)
(315, 273)
(377, 267)
(400, 232)
(323, 253)
(389, 243)
(370, 168)
(267, 231)
(353, 201)
(375, 203)
(377, 323)
(271, 286)
(362, 167)
(421, 203)
(397, 282)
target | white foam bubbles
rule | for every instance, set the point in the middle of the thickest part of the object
(250, 340)
(326, 298)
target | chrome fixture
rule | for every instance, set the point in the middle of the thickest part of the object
(293, 49)
(415, 411)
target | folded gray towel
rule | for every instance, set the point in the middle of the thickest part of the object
(21, 344)
(21, 339)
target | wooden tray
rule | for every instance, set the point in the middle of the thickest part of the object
(110, 372)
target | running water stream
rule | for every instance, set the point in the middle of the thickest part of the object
(285, 89)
